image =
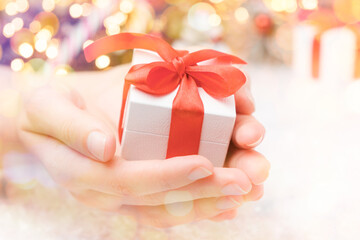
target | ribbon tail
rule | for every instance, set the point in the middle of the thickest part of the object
(122, 113)
(186, 120)
(316, 57)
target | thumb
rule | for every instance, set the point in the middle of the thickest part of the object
(50, 113)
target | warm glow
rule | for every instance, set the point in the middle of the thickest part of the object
(309, 4)
(241, 14)
(35, 26)
(17, 64)
(87, 43)
(289, 6)
(120, 18)
(44, 34)
(76, 10)
(11, 9)
(61, 71)
(18, 23)
(214, 20)
(26, 50)
(8, 30)
(113, 29)
(126, 6)
(41, 45)
(102, 62)
(48, 5)
(22, 5)
(52, 51)
(216, 1)
(102, 3)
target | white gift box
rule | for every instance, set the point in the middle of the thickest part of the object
(337, 54)
(147, 122)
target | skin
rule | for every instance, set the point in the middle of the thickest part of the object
(58, 115)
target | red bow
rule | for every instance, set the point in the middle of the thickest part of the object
(219, 79)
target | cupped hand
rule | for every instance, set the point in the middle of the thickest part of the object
(70, 124)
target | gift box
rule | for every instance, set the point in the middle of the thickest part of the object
(147, 122)
(174, 103)
(329, 55)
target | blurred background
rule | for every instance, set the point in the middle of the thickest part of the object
(304, 66)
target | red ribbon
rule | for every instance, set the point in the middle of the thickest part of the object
(219, 79)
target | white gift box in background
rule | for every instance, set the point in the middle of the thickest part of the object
(337, 54)
(147, 122)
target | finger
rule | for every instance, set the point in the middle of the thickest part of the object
(228, 215)
(248, 132)
(185, 212)
(244, 100)
(50, 113)
(255, 194)
(224, 182)
(254, 164)
(118, 177)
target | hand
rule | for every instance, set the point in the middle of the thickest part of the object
(69, 130)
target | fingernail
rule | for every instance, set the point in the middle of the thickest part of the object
(96, 144)
(233, 189)
(257, 142)
(227, 203)
(199, 173)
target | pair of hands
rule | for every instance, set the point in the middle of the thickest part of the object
(71, 126)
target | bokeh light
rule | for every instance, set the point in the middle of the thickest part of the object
(348, 11)
(48, 5)
(126, 6)
(199, 15)
(17, 64)
(101, 3)
(26, 50)
(22, 5)
(87, 43)
(52, 51)
(102, 62)
(113, 29)
(309, 4)
(76, 10)
(18, 23)
(241, 14)
(11, 9)
(8, 30)
(41, 45)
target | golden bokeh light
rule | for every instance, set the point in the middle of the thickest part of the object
(44, 34)
(241, 14)
(41, 45)
(22, 5)
(8, 30)
(26, 50)
(17, 64)
(102, 62)
(76, 10)
(48, 5)
(101, 3)
(18, 23)
(53, 50)
(120, 18)
(126, 6)
(113, 29)
(288, 6)
(87, 43)
(35, 26)
(347, 11)
(216, 1)
(214, 20)
(11, 9)
(309, 4)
